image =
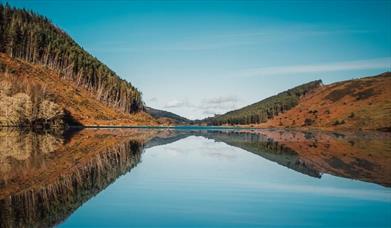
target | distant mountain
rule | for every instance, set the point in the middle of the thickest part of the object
(165, 116)
(265, 109)
(47, 78)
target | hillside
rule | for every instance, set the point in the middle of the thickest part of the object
(265, 109)
(34, 39)
(361, 156)
(363, 103)
(31, 93)
(43, 167)
(166, 117)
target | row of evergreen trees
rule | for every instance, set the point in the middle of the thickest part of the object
(263, 110)
(28, 36)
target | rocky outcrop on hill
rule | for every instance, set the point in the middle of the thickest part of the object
(28, 110)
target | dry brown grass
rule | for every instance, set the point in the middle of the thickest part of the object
(79, 102)
(356, 104)
(365, 157)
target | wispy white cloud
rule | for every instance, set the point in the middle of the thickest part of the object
(378, 63)
(218, 105)
(298, 30)
(209, 106)
(153, 99)
(220, 100)
(177, 104)
(221, 40)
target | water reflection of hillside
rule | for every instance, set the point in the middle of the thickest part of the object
(362, 156)
(266, 147)
(44, 177)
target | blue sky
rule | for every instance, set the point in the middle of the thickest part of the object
(201, 58)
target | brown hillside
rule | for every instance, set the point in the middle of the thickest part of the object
(363, 103)
(79, 103)
(363, 156)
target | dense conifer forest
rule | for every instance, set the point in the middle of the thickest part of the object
(33, 38)
(265, 109)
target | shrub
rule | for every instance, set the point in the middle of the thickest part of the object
(338, 122)
(308, 122)
(364, 94)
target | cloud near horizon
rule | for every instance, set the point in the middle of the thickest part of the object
(209, 106)
(177, 104)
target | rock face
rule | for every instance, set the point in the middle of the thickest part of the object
(22, 110)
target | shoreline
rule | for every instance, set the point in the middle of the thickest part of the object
(195, 127)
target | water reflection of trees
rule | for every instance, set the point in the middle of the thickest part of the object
(266, 147)
(47, 177)
(44, 176)
(361, 156)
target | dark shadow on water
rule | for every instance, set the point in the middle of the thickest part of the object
(69, 120)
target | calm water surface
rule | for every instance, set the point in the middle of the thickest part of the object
(195, 178)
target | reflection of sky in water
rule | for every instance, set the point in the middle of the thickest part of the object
(199, 182)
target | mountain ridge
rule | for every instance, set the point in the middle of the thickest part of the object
(266, 108)
(358, 104)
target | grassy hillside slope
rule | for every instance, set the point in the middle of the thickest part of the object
(265, 109)
(33, 38)
(36, 84)
(363, 103)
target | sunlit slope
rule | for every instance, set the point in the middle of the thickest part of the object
(24, 86)
(363, 103)
(49, 80)
(32, 37)
(265, 109)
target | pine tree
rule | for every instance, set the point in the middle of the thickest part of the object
(28, 36)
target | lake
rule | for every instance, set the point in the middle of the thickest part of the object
(194, 178)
